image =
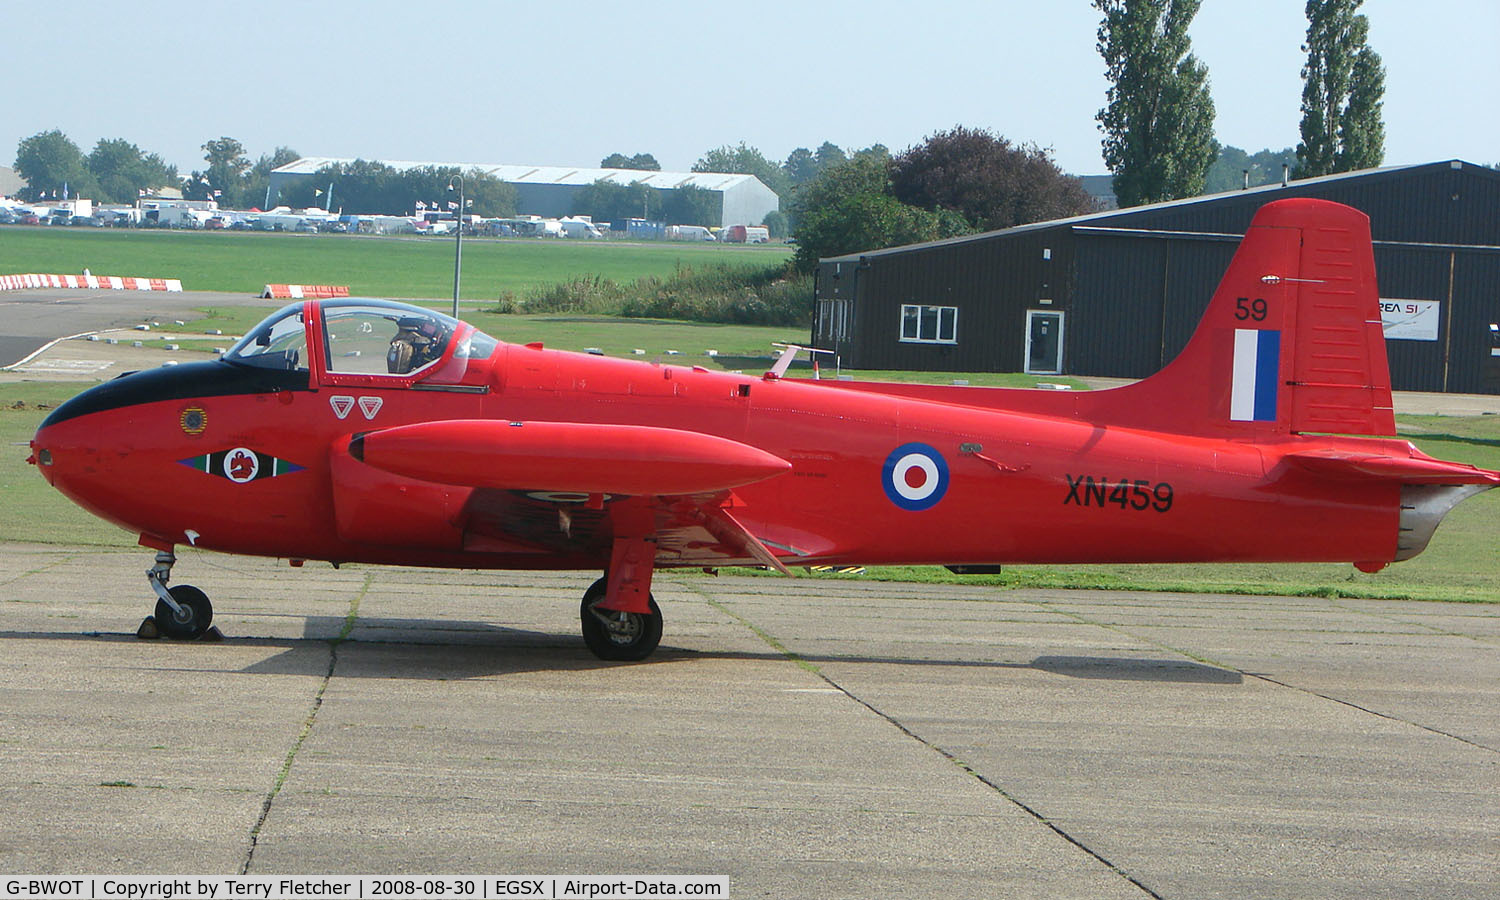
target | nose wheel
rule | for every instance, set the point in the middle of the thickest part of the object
(182, 612)
(190, 619)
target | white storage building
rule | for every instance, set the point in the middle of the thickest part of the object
(548, 190)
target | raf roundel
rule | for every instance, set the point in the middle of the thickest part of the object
(915, 477)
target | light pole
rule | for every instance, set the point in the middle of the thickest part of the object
(458, 239)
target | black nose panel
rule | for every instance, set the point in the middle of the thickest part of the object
(214, 378)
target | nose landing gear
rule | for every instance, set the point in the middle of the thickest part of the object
(182, 612)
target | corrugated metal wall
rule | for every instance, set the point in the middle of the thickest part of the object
(991, 283)
(1118, 326)
(1434, 203)
(1139, 299)
(1476, 304)
(1414, 273)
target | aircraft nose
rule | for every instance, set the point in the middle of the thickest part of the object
(66, 450)
(69, 444)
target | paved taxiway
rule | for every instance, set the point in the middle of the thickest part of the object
(804, 738)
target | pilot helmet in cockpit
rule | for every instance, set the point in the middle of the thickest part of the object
(418, 341)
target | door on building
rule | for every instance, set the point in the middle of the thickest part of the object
(1044, 333)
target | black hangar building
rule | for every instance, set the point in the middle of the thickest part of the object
(1119, 293)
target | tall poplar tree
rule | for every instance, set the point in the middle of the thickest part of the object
(1159, 122)
(1343, 86)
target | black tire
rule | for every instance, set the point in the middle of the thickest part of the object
(197, 613)
(634, 642)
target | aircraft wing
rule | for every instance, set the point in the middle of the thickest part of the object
(567, 489)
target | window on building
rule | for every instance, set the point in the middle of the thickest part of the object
(929, 324)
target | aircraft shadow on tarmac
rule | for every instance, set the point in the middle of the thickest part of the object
(459, 650)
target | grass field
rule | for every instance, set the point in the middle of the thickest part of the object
(387, 266)
(1462, 562)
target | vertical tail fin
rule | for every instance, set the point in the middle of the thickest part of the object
(1292, 341)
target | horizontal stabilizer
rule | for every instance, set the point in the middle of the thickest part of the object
(1416, 469)
(576, 457)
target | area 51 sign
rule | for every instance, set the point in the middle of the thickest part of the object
(1410, 320)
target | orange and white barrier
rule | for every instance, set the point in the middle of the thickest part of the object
(304, 291)
(97, 282)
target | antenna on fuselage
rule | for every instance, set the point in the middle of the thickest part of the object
(784, 361)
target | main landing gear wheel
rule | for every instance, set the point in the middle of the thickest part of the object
(192, 617)
(618, 636)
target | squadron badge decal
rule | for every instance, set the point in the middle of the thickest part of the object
(241, 465)
(193, 420)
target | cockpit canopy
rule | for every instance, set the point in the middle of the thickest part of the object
(278, 342)
(364, 337)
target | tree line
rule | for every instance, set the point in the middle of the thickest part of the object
(118, 171)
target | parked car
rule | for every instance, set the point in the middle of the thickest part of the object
(689, 233)
(87, 221)
(214, 222)
(307, 227)
(7, 217)
(28, 219)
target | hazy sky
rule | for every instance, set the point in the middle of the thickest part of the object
(566, 83)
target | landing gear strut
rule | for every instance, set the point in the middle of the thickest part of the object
(182, 612)
(616, 635)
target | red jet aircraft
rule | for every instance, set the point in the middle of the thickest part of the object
(377, 432)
